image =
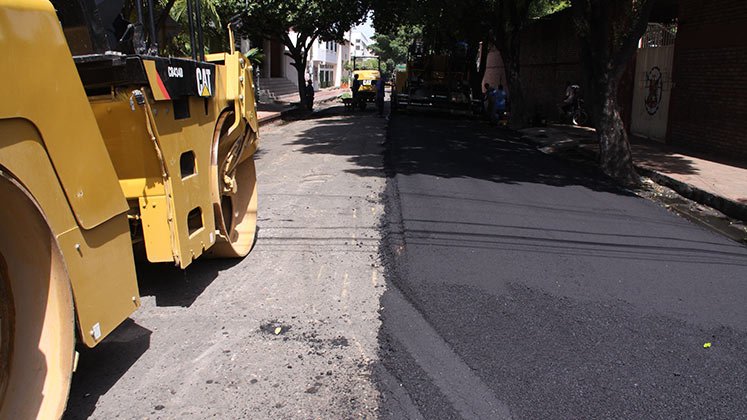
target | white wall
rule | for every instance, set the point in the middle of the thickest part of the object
(320, 56)
(653, 88)
(358, 39)
(343, 56)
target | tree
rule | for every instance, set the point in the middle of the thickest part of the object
(310, 21)
(509, 19)
(214, 15)
(609, 31)
(392, 48)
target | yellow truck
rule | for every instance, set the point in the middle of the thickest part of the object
(107, 151)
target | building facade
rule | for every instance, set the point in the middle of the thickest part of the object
(325, 65)
(359, 44)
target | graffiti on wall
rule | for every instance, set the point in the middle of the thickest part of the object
(654, 83)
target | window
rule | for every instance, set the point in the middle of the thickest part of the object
(325, 78)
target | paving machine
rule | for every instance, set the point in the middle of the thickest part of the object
(107, 151)
(433, 81)
(369, 75)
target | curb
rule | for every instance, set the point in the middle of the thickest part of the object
(278, 115)
(270, 118)
(728, 207)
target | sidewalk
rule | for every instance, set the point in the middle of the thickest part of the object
(268, 112)
(718, 185)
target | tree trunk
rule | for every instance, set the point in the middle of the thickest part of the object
(300, 65)
(299, 51)
(609, 32)
(615, 157)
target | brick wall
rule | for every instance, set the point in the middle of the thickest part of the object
(709, 98)
(549, 59)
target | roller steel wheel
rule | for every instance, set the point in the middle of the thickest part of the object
(234, 189)
(36, 307)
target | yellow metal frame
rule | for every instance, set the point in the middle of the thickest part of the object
(51, 144)
(145, 143)
(88, 185)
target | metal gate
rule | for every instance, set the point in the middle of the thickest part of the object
(653, 83)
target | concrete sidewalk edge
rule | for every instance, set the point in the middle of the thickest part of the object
(726, 206)
(279, 114)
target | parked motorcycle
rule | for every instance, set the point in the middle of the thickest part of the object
(576, 114)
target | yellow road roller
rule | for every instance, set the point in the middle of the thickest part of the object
(108, 150)
(368, 71)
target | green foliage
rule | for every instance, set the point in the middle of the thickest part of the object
(366, 64)
(255, 56)
(326, 20)
(310, 20)
(442, 23)
(209, 11)
(542, 8)
(215, 17)
(392, 48)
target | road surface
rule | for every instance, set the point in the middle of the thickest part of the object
(528, 287)
(437, 269)
(204, 343)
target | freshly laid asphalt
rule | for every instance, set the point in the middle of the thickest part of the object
(518, 285)
(521, 286)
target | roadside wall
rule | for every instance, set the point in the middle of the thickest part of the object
(709, 98)
(549, 59)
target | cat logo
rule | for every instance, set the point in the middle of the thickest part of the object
(203, 82)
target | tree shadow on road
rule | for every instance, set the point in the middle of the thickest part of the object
(459, 148)
(443, 146)
(359, 135)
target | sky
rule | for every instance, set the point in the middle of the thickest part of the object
(366, 28)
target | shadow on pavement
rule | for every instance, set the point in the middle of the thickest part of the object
(172, 286)
(447, 147)
(665, 154)
(101, 367)
(462, 148)
(333, 136)
(664, 162)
